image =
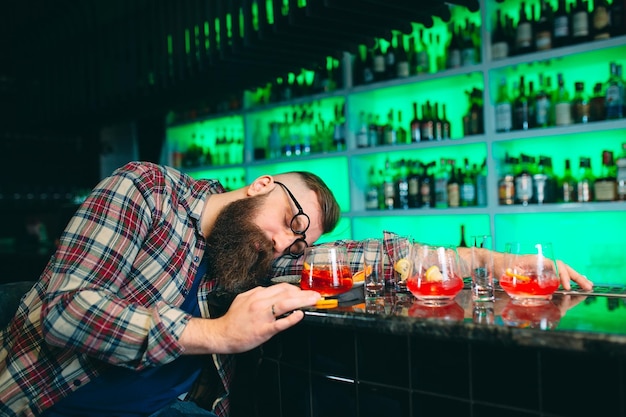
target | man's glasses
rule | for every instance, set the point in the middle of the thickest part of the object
(299, 225)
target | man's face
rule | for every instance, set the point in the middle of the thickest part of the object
(239, 252)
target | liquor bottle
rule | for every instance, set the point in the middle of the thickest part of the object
(580, 22)
(402, 186)
(567, 189)
(454, 196)
(390, 59)
(601, 20)
(543, 105)
(468, 187)
(561, 34)
(532, 106)
(441, 185)
(504, 109)
(580, 104)
(543, 180)
(368, 67)
(543, 28)
(445, 123)
(426, 187)
(372, 131)
(412, 54)
(339, 137)
(521, 116)
(621, 174)
(469, 55)
(416, 129)
(462, 242)
(614, 102)
(481, 185)
(378, 65)
(414, 186)
(500, 47)
(427, 124)
(473, 120)
(402, 59)
(372, 194)
(390, 135)
(437, 123)
(524, 32)
(361, 135)
(605, 186)
(454, 48)
(506, 184)
(524, 181)
(401, 134)
(423, 59)
(597, 110)
(389, 187)
(562, 104)
(584, 183)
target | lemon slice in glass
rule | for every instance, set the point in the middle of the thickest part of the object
(402, 266)
(433, 274)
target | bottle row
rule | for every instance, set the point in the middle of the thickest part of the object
(409, 183)
(545, 107)
(530, 180)
(539, 26)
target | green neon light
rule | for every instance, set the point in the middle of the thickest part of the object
(255, 16)
(229, 26)
(270, 11)
(187, 42)
(217, 30)
(170, 45)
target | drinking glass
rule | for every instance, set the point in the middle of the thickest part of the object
(373, 267)
(435, 278)
(326, 271)
(400, 261)
(530, 276)
(482, 268)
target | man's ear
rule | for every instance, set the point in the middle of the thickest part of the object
(262, 185)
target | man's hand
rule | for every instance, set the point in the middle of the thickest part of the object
(253, 318)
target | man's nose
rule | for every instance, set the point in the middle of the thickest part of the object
(282, 241)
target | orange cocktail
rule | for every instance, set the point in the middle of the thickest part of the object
(326, 280)
(530, 285)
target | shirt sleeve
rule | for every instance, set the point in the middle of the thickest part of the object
(82, 310)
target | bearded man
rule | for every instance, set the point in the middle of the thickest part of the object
(157, 280)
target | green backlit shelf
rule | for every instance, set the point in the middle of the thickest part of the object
(590, 236)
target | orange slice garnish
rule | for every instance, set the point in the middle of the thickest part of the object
(510, 273)
(327, 303)
(360, 276)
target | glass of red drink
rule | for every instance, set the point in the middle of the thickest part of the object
(530, 273)
(326, 270)
(435, 277)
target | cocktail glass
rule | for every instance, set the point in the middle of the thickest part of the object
(530, 276)
(326, 271)
(435, 277)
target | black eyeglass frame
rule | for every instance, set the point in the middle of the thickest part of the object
(291, 223)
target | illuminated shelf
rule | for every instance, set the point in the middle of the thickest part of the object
(347, 171)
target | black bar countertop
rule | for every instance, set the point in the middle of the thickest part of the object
(591, 322)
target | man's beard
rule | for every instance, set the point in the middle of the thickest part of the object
(238, 254)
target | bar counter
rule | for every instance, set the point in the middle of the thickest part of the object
(397, 357)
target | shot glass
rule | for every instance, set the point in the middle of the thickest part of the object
(482, 268)
(373, 267)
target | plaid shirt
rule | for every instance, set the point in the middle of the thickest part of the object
(108, 295)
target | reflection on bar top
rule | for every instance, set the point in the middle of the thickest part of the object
(594, 313)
